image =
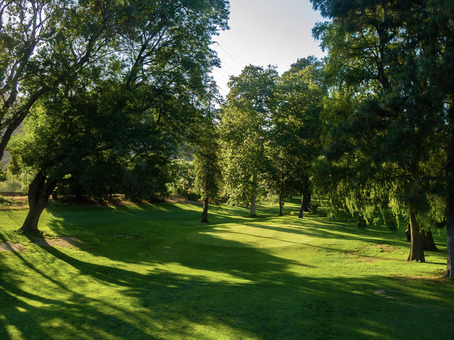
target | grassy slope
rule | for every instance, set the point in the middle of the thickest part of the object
(154, 271)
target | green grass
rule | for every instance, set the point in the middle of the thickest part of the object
(154, 271)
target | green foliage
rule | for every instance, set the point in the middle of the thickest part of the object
(245, 132)
(385, 117)
(114, 123)
(11, 184)
(182, 178)
(362, 223)
(206, 163)
(146, 177)
(296, 127)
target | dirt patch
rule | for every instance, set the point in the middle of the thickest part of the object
(367, 259)
(385, 248)
(429, 278)
(62, 242)
(8, 246)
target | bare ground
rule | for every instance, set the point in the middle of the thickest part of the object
(62, 242)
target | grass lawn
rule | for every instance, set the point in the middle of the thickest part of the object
(156, 272)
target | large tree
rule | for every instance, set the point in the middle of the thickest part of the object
(381, 146)
(206, 166)
(438, 39)
(244, 128)
(138, 100)
(295, 129)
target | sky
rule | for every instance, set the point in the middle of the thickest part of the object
(265, 32)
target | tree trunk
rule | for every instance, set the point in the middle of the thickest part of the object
(450, 242)
(450, 196)
(416, 248)
(428, 243)
(205, 211)
(306, 201)
(254, 194)
(281, 204)
(281, 193)
(252, 208)
(301, 214)
(38, 197)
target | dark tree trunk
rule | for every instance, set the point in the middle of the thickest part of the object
(79, 194)
(408, 234)
(254, 195)
(252, 207)
(301, 214)
(306, 200)
(38, 197)
(450, 196)
(281, 193)
(281, 204)
(205, 211)
(450, 228)
(428, 243)
(416, 248)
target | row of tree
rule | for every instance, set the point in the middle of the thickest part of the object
(270, 133)
(113, 99)
(372, 128)
(261, 142)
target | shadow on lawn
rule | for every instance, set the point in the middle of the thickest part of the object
(273, 304)
(237, 291)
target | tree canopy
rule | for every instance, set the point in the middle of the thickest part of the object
(390, 140)
(244, 128)
(130, 105)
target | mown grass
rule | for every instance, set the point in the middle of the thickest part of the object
(155, 271)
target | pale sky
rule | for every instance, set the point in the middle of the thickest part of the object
(265, 32)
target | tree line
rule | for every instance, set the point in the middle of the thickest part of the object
(116, 97)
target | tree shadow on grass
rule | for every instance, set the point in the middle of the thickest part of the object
(154, 225)
(262, 299)
(220, 288)
(32, 316)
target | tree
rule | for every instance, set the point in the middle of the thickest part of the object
(42, 45)
(295, 129)
(135, 102)
(206, 161)
(66, 139)
(206, 166)
(396, 119)
(440, 42)
(244, 129)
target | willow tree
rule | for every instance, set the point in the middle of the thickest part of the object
(244, 133)
(396, 119)
(439, 62)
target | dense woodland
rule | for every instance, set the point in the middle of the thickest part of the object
(115, 97)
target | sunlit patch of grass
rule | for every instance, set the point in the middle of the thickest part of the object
(155, 271)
